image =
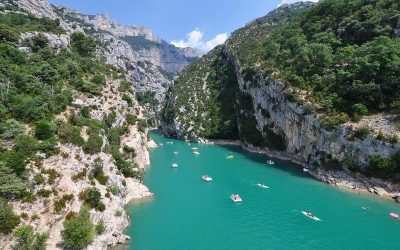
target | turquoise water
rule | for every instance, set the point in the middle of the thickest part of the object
(189, 213)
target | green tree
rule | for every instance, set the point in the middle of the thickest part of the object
(82, 44)
(26, 145)
(93, 144)
(28, 239)
(11, 129)
(10, 184)
(79, 231)
(44, 130)
(16, 161)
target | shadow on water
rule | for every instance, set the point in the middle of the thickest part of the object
(282, 165)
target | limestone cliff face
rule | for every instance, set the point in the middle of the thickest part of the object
(306, 140)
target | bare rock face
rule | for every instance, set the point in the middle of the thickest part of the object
(56, 42)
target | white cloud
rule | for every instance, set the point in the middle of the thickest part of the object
(195, 40)
(294, 1)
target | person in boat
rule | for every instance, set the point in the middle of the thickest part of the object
(310, 214)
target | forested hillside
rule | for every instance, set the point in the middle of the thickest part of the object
(64, 115)
(314, 83)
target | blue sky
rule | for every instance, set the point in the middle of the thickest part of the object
(201, 23)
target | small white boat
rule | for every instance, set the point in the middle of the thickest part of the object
(174, 165)
(305, 169)
(310, 215)
(195, 148)
(206, 178)
(236, 198)
(196, 152)
(229, 157)
(394, 216)
(270, 162)
(176, 153)
(261, 185)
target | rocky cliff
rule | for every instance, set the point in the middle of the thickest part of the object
(149, 60)
(230, 94)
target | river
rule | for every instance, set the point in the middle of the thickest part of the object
(189, 213)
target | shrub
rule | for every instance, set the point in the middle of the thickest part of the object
(99, 79)
(100, 227)
(92, 197)
(11, 129)
(44, 193)
(85, 112)
(125, 86)
(113, 136)
(44, 130)
(110, 119)
(78, 232)
(49, 147)
(381, 166)
(98, 172)
(79, 176)
(129, 150)
(361, 132)
(360, 109)
(142, 125)
(9, 220)
(26, 145)
(128, 99)
(28, 239)
(93, 145)
(38, 179)
(15, 161)
(70, 134)
(61, 203)
(114, 189)
(52, 175)
(332, 122)
(131, 119)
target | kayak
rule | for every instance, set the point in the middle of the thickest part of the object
(262, 185)
(395, 216)
(311, 216)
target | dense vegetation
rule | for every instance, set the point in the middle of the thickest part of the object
(214, 116)
(346, 54)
